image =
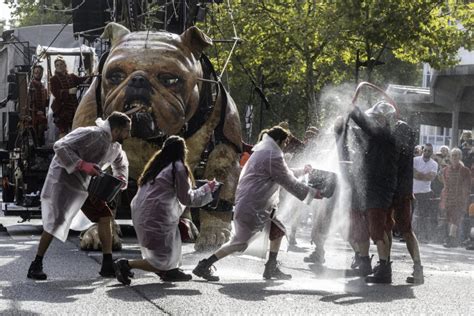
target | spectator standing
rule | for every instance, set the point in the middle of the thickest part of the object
(424, 171)
(455, 196)
(465, 137)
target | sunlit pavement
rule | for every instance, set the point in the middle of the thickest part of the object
(74, 286)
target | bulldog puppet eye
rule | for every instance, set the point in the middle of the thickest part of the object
(116, 77)
(168, 80)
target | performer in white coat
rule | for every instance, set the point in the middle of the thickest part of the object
(78, 156)
(164, 188)
(255, 202)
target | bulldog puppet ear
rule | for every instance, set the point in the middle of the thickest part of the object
(195, 40)
(114, 32)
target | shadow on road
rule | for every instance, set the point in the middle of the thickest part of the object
(361, 292)
(150, 291)
(259, 291)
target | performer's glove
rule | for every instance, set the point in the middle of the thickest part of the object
(89, 168)
(72, 90)
(318, 195)
(212, 185)
(124, 185)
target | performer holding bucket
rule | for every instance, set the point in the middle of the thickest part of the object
(78, 156)
(256, 199)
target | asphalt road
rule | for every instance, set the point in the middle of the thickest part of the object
(74, 286)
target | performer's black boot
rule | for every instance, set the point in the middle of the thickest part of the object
(383, 274)
(204, 270)
(272, 271)
(122, 271)
(365, 266)
(36, 271)
(451, 242)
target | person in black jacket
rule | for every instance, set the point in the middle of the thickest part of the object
(380, 165)
(404, 195)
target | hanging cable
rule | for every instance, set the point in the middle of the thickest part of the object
(55, 38)
(44, 7)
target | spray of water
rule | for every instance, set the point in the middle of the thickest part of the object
(323, 154)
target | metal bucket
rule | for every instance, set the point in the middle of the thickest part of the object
(215, 195)
(325, 181)
(104, 187)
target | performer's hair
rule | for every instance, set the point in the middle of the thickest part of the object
(38, 66)
(118, 120)
(174, 149)
(59, 58)
(278, 133)
(262, 132)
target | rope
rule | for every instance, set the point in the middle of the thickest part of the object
(55, 38)
(45, 7)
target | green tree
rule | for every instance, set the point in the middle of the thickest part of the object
(413, 31)
(38, 12)
(301, 46)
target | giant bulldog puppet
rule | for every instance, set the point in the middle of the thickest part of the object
(157, 78)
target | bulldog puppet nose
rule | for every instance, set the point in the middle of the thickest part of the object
(139, 81)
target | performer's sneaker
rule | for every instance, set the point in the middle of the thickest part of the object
(317, 256)
(417, 275)
(205, 271)
(272, 271)
(383, 274)
(107, 271)
(122, 271)
(356, 261)
(365, 266)
(451, 242)
(36, 271)
(174, 275)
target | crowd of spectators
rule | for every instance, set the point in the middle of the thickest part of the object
(442, 198)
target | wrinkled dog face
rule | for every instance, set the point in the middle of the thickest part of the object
(154, 78)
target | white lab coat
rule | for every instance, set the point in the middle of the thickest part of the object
(156, 209)
(258, 190)
(65, 188)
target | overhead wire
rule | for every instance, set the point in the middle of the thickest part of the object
(45, 7)
(246, 71)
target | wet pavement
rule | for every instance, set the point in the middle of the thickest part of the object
(74, 286)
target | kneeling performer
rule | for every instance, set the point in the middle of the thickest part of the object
(165, 182)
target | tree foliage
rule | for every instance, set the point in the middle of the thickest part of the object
(299, 47)
(292, 49)
(35, 12)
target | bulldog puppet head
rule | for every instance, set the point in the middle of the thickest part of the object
(153, 76)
